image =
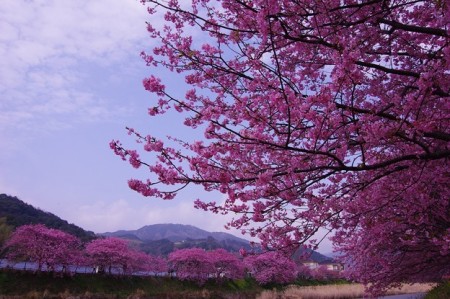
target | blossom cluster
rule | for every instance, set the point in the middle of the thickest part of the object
(316, 115)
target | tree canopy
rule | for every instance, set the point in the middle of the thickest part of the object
(316, 114)
(271, 267)
(46, 246)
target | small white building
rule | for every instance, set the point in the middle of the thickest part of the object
(332, 266)
(311, 264)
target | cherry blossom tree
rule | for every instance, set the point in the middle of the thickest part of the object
(44, 246)
(136, 261)
(323, 273)
(112, 253)
(226, 264)
(405, 234)
(192, 264)
(271, 267)
(109, 253)
(304, 272)
(157, 265)
(316, 114)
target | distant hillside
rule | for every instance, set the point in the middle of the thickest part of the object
(174, 233)
(308, 254)
(19, 213)
(161, 239)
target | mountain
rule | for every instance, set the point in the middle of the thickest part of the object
(173, 232)
(19, 213)
(161, 239)
(309, 254)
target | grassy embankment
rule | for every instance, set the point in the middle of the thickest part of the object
(442, 291)
(17, 284)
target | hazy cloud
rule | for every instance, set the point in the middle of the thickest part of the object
(53, 50)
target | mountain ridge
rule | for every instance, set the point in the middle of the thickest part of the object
(173, 232)
(161, 239)
(18, 213)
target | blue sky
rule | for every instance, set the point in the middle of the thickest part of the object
(70, 81)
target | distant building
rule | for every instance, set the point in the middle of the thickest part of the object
(310, 264)
(332, 266)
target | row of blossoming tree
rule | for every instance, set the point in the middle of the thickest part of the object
(52, 250)
(55, 250)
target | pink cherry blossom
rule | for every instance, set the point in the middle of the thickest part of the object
(271, 267)
(315, 114)
(227, 265)
(45, 246)
(191, 264)
(108, 253)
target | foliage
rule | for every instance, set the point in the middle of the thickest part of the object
(304, 272)
(441, 291)
(164, 247)
(159, 247)
(192, 264)
(208, 244)
(226, 264)
(199, 265)
(93, 286)
(271, 267)
(19, 213)
(316, 114)
(26, 285)
(5, 231)
(114, 253)
(45, 246)
(157, 265)
(323, 273)
(53, 249)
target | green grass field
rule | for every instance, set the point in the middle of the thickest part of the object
(19, 284)
(442, 291)
(27, 285)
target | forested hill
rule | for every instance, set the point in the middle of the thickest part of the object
(174, 232)
(19, 213)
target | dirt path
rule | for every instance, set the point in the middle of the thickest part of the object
(405, 296)
(415, 291)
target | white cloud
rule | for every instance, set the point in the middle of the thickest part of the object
(104, 216)
(52, 53)
(101, 30)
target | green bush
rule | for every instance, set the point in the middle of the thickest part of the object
(441, 291)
